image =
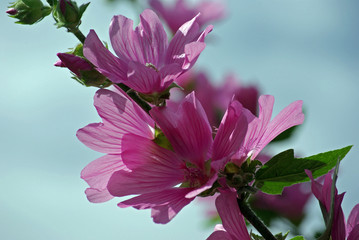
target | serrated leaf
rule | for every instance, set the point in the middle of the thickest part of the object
(285, 170)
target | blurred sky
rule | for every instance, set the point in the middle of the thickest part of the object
(299, 49)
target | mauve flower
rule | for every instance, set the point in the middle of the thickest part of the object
(167, 179)
(353, 224)
(120, 116)
(180, 12)
(146, 62)
(323, 194)
(233, 226)
(221, 95)
(289, 204)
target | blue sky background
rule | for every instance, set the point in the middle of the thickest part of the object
(299, 49)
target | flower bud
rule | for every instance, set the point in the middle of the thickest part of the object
(68, 14)
(84, 72)
(28, 11)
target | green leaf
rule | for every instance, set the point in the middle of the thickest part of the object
(285, 170)
(298, 238)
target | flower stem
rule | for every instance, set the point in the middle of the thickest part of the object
(145, 106)
(78, 34)
(254, 220)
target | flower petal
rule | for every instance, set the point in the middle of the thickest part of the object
(97, 173)
(144, 79)
(354, 234)
(353, 219)
(152, 168)
(187, 128)
(107, 64)
(231, 132)
(165, 204)
(232, 219)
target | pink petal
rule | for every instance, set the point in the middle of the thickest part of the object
(187, 128)
(147, 44)
(187, 33)
(220, 235)
(231, 132)
(354, 234)
(203, 188)
(165, 204)
(152, 168)
(97, 173)
(144, 79)
(211, 11)
(353, 219)
(170, 73)
(120, 115)
(107, 64)
(232, 219)
(192, 51)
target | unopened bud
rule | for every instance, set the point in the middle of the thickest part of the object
(28, 11)
(68, 14)
(85, 73)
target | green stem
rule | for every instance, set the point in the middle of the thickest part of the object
(145, 106)
(254, 220)
(78, 34)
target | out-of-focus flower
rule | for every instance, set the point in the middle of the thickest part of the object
(180, 12)
(154, 171)
(353, 224)
(323, 194)
(221, 96)
(289, 204)
(120, 116)
(146, 62)
(67, 14)
(84, 71)
(28, 11)
(233, 226)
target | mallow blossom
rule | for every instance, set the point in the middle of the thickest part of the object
(145, 61)
(340, 229)
(168, 177)
(179, 13)
(233, 226)
(120, 116)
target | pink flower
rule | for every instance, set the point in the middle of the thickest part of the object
(323, 194)
(233, 226)
(289, 204)
(353, 224)
(262, 130)
(120, 116)
(146, 62)
(154, 172)
(180, 13)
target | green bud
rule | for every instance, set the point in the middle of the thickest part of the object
(67, 14)
(28, 11)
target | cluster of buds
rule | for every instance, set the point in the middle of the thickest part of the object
(28, 11)
(67, 14)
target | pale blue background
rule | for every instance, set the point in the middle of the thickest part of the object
(299, 49)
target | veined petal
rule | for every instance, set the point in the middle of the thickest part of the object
(165, 204)
(353, 219)
(231, 132)
(144, 79)
(354, 234)
(187, 33)
(232, 219)
(97, 173)
(121, 112)
(219, 234)
(106, 63)
(203, 188)
(152, 37)
(152, 168)
(192, 51)
(170, 73)
(187, 128)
